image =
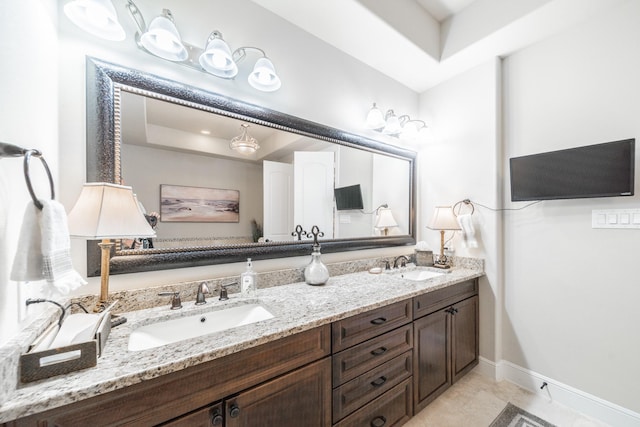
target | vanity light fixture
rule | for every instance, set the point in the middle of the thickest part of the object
(443, 219)
(97, 17)
(244, 143)
(162, 39)
(393, 125)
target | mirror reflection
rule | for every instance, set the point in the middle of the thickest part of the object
(199, 189)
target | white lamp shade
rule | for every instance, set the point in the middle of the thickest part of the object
(107, 211)
(264, 77)
(217, 59)
(97, 17)
(244, 143)
(375, 118)
(163, 40)
(385, 219)
(443, 219)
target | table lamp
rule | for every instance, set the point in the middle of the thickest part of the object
(443, 219)
(104, 212)
(385, 221)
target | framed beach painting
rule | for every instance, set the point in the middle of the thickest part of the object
(197, 204)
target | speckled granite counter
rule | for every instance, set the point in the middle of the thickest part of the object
(297, 307)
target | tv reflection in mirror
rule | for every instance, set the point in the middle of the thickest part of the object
(348, 198)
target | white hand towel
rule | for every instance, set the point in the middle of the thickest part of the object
(468, 232)
(44, 249)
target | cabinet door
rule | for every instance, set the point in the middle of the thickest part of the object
(464, 316)
(300, 398)
(205, 417)
(432, 346)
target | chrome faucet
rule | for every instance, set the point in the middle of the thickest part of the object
(403, 262)
(176, 303)
(202, 289)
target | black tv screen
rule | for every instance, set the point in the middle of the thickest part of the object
(601, 170)
(348, 197)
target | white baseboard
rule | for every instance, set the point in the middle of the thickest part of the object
(578, 400)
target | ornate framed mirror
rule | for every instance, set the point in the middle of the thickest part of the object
(123, 103)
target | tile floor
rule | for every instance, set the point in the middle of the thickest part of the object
(475, 401)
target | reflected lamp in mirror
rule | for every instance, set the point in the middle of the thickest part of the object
(385, 221)
(443, 220)
(244, 143)
(104, 212)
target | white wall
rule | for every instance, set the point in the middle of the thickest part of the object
(461, 162)
(28, 118)
(571, 292)
(320, 83)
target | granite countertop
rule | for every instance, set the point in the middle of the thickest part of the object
(297, 307)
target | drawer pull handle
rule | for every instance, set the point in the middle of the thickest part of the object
(379, 351)
(378, 382)
(378, 421)
(379, 320)
(234, 411)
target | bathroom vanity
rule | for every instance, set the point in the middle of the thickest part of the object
(363, 350)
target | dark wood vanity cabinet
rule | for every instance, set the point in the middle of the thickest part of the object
(372, 367)
(285, 401)
(445, 339)
(289, 377)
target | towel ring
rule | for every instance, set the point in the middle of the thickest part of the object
(27, 177)
(465, 202)
(10, 150)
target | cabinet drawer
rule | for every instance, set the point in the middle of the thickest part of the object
(359, 359)
(361, 327)
(357, 392)
(433, 301)
(393, 408)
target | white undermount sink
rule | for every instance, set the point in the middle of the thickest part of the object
(419, 275)
(174, 330)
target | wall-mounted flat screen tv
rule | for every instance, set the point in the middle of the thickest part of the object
(601, 170)
(348, 197)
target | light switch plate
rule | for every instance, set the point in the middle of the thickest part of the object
(615, 218)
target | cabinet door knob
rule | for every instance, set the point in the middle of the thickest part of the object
(379, 381)
(234, 411)
(378, 421)
(379, 321)
(379, 351)
(216, 418)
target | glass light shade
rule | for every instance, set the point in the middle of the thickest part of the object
(393, 126)
(97, 17)
(217, 59)
(264, 77)
(385, 219)
(443, 219)
(107, 211)
(244, 143)
(411, 129)
(375, 118)
(163, 40)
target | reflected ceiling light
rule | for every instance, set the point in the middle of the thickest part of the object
(217, 58)
(244, 143)
(97, 17)
(375, 118)
(393, 125)
(163, 40)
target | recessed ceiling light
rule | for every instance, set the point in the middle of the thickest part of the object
(205, 132)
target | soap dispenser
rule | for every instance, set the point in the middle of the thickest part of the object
(248, 281)
(316, 273)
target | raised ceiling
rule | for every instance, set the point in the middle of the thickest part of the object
(421, 43)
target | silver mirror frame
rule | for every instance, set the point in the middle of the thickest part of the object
(105, 81)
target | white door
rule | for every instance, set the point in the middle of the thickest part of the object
(278, 201)
(313, 174)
